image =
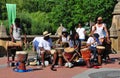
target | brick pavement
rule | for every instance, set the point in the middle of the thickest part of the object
(7, 72)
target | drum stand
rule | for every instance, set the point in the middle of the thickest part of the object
(99, 56)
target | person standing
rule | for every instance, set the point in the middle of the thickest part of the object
(81, 32)
(100, 29)
(16, 30)
(16, 43)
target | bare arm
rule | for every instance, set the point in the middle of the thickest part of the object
(93, 30)
(106, 32)
(24, 33)
(11, 33)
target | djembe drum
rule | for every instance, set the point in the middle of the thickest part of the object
(17, 44)
(100, 50)
(60, 50)
(86, 55)
(21, 58)
(68, 52)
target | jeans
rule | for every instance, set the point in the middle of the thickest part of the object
(94, 51)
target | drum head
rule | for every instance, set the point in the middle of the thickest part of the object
(21, 52)
(100, 47)
(69, 50)
(60, 48)
(84, 49)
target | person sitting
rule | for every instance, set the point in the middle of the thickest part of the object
(75, 42)
(45, 49)
(16, 43)
(107, 50)
(64, 37)
(92, 43)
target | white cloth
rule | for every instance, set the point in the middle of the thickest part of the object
(16, 32)
(81, 33)
(40, 42)
(65, 39)
(91, 40)
(100, 30)
(45, 44)
(38, 39)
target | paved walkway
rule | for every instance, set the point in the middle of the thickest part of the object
(76, 72)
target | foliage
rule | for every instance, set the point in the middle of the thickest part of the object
(40, 15)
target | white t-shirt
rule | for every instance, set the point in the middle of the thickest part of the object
(45, 44)
(16, 32)
(40, 42)
(38, 39)
(81, 33)
(91, 40)
(100, 30)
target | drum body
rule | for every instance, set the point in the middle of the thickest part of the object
(86, 53)
(68, 55)
(100, 50)
(22, 58)
(17, 43)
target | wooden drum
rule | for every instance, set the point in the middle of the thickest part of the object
(17, 44)
(22, 58)
(100, 50)
(68, 52)
(86, 53)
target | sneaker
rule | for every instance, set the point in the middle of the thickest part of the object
(66, 64)
(70, 65)
(96, 67)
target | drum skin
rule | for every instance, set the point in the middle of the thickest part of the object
(21, 56)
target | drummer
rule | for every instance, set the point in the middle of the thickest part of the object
(63, 38)
(45, 48)
(75, 42)
(92, 43)
(15, 33)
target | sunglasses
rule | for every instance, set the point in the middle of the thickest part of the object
(99, 20)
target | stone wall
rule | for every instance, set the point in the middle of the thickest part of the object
(115, 28)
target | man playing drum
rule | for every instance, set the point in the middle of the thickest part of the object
(101, 29)
(45, 48)
(16, 42)
(92, 43)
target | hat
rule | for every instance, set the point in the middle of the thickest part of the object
(69, 50)
(45, 33)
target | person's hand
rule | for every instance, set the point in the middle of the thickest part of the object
(108, 40)
(25, 41)
(12, 40)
